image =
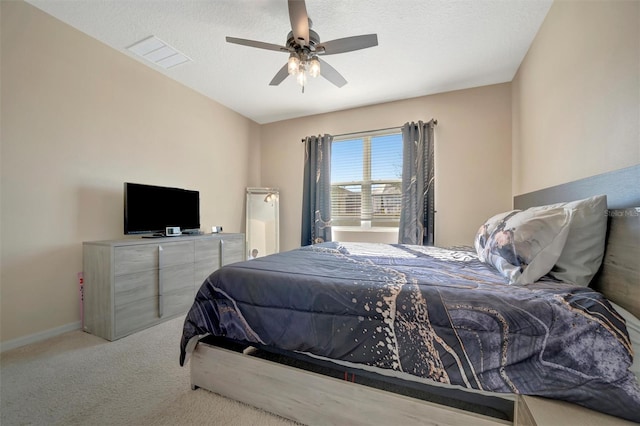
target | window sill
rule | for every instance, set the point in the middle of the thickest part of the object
(387, 229)
(375, 234)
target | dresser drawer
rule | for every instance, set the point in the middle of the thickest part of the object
(207, 260)
(131, 287)
(232, 250)
(178, 253)
(208, 251)
(136, 258)
(202, 271)
(135, 316)
(178, 277)
(176, 302)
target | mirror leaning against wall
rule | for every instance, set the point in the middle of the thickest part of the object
(263, 222)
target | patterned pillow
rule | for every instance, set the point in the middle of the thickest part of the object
(524, 245)
(487, 228)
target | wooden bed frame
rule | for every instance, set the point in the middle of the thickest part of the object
(311, 398)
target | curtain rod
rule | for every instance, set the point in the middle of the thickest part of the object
(367, 131)
(435, 123)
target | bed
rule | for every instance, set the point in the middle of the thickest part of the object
(425, 334)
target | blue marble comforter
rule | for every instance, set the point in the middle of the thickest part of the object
(430, 312)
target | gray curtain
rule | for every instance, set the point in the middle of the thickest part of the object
(316, 196)
(417, 214)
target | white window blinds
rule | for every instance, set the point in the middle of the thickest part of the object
(366, 173)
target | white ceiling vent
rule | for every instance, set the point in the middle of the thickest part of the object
(157, 51)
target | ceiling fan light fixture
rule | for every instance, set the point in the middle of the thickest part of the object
(314, 67)
(294, 63)
(302, 78)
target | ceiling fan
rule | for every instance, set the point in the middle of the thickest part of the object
(304, 48)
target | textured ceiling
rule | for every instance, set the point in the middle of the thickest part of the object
(425, 46)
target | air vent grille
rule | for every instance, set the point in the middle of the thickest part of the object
(160, 53)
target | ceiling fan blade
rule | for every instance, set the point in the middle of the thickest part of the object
(348, 44)
(258, 44)
(280, 76)
(299, 21)
(330, 73)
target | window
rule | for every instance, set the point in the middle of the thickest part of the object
(366, 177)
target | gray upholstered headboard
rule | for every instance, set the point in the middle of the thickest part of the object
(619, 276)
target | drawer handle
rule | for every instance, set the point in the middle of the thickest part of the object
(160, 274)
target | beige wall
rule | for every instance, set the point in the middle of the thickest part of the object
(473, 156)
(79, 119)
(576, 96)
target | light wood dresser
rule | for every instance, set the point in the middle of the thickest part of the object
(132, 284)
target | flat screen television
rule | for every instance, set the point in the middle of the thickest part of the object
(151, 209)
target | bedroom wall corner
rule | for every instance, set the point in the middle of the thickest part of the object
(255, 154)
(576, 95)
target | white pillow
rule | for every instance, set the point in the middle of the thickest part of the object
(524, 245)
(583, 252)
(633, 327)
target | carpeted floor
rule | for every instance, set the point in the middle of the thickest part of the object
(80, 379)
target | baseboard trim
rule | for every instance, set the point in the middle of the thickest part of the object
(38, 337)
